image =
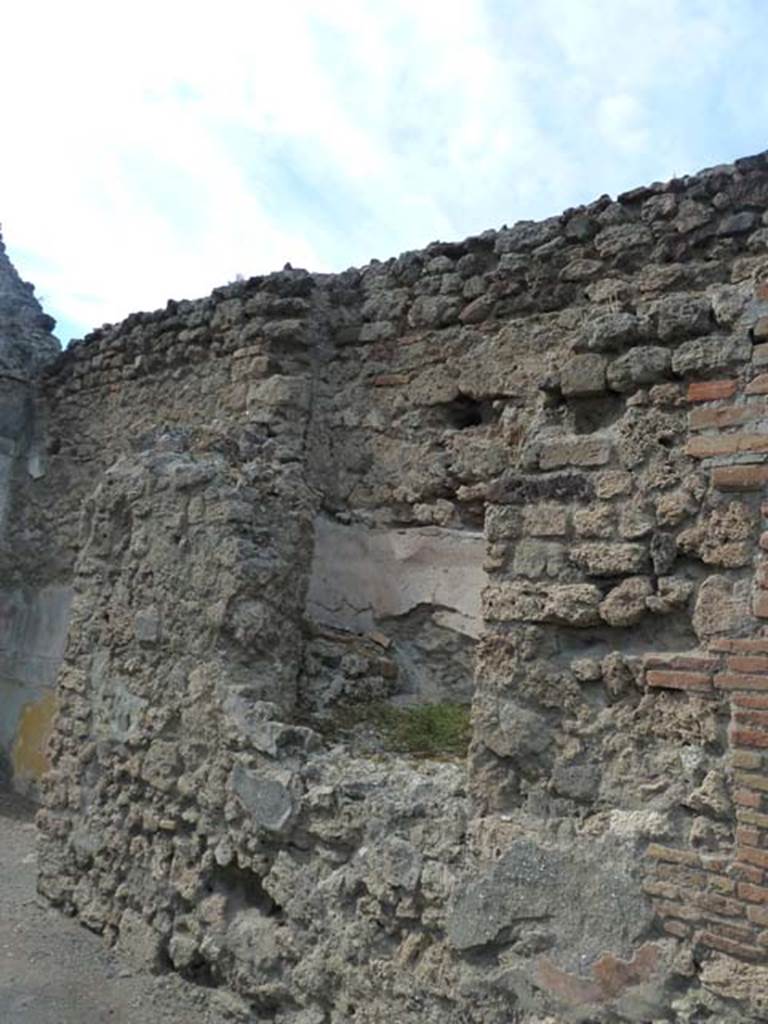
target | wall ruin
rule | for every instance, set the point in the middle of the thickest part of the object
(525, 471)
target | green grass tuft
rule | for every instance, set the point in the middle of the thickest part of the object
(423, 730)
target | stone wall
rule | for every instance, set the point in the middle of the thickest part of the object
(525, 470)
(33, 602)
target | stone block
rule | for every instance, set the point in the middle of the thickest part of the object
(583, 376)
(575, 451)
(549, 520)
(610, 559)
(264, 796)
(610, 332)
(646, 364)
(722, 607)
(703, 356)
(682, 316)
(625, 605)
(535, 558)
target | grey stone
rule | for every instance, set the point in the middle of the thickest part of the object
(265, 796)
(596, 897)
(646, 364)
(610, 332)
(583, 376)
(738, 223)
(682, 316)
(709, 355)
(538, 558)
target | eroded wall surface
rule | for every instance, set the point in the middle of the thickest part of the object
(525, 470)
(33, 601)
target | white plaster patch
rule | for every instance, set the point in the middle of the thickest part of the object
(361, 576)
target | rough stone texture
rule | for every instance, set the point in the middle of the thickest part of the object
(268, 505)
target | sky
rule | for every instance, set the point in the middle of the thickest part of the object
(156, 150)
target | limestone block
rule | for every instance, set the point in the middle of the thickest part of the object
(607, 559)
(546, 520)
(625, 605)
(570, 604)
(575, 451)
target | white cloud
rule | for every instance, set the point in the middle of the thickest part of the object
(159, 149)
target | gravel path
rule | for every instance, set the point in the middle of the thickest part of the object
(54, 971)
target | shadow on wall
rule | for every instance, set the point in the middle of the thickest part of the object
(33, 633)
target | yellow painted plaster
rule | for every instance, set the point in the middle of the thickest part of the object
(29, 755)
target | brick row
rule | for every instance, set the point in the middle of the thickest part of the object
(727, 444)
(679, 680)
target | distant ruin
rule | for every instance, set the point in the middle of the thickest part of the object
(272, 558)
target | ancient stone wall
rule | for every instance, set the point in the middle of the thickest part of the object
(524, 471)
(33, 599)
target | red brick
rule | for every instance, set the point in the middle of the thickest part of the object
(749, 738)
(758, 915)
(755, 818)
(713, 862)
(753, 780)
(677, 928)
(742, 663)
(760, 329)
(758, 386)
(730, 416)
(684, 662)
(681, 874)
(755, 645)
(753, 893)
(654, 887)
(746, 759)
(760, 605)
(739, 478)
(711, 390)
(747, 798)
(667, 853)
(682, 911)
(726, 444)
(721, 883)
(728, 929)
(750, 700)
(751, 856)
(747, 872)
(740, 681)
(716, 904)
(747, 835)
(761, 290)
(679, 680)
(748, 716)
(737, 949)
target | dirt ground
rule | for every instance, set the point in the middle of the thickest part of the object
(54, 971)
